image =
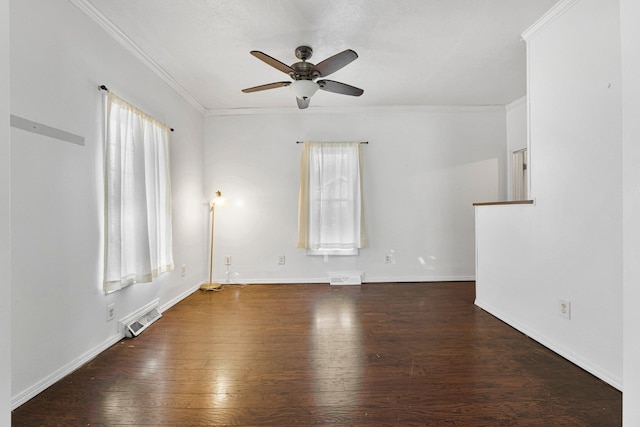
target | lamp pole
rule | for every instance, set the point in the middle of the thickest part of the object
(212, 206)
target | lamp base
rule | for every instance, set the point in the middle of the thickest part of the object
(210, 286)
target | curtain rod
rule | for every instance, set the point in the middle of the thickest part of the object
(361, 142)
(106, 89)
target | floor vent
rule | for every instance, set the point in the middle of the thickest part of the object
(345, 278)
(136, 327)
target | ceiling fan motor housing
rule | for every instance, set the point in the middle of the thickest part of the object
(304, 71)
(304, 52)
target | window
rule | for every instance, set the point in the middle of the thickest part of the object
(138, 236)
(331, 220)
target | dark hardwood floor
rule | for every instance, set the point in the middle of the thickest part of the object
(298, 355)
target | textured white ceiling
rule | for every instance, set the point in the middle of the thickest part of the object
(411, 52)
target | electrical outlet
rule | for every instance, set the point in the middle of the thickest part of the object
(227, 260)
(183, 270)
(565, 309)
(281, 259)
(387, 259)
(111, 311)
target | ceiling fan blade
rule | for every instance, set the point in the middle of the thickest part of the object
(335, 62)
(272, 61)
(341, 88)
(303, 103)
(265, 87)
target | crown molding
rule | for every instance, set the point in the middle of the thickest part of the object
(355, 110)
(88, 9)
(548, 18)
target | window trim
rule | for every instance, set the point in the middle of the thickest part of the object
(333, 252)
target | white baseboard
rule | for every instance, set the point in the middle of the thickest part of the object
(56, 376)
(167, 305)
(75, 364)
(426, 279)
(367, 279)
(294, 281)
(574, 358)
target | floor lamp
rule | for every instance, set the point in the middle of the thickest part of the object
(217, 201)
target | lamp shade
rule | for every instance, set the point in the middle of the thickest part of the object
(303, 89)
(218, 200)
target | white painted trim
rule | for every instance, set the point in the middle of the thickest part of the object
(518, 102)
(112, 30)
(42, 129)
(530, 165)
(508, 204)
(548, 18)
(332, 252)
(67, 369)
(88, 9)
(427, 279)
(167, 305)
(369, 109)
(572, 357)
(77, 363)
(293, 281)
(368, 279)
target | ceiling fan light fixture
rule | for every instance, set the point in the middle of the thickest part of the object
(304, 89)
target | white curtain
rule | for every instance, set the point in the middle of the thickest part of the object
(330, 206)
(138, 236)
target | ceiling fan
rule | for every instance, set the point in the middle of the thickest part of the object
(304, 75)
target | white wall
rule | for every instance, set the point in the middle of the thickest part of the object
(58, 58)
(569, 245)
(423, 169)
(630, 16)
(5, 221)
(516, 136)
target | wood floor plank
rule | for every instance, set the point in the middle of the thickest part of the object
(385, 354)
